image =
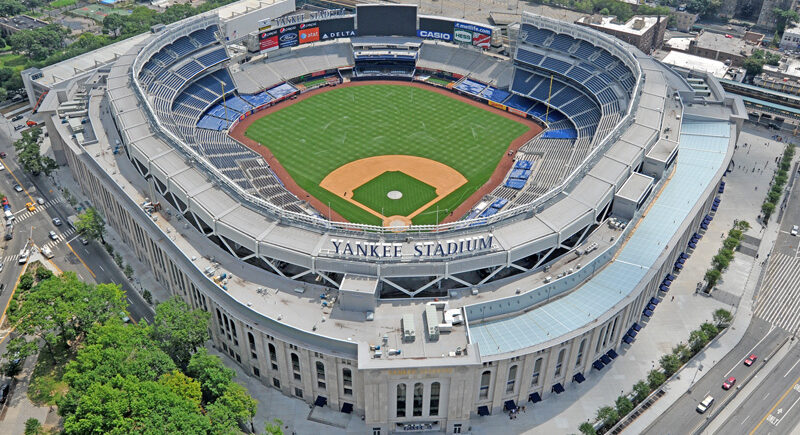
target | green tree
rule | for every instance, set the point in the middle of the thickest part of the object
(754, 66)
(682, 351)
(90, 224)
(712, 276)
(705, 8)
(697, 340)
(655, 378)
(640, 391)
(586, 428)
(183, 386)
(212, 375)
(274, 427)
(128, 271)
(61, 309)
(670, 363)
(32, 426)
(608, 415)
(234, 407)
(29, 153)
(43, 273)
(784, 18)
(179, 329)
(710, 330)
(624, 406)
(722, 318)
(9, 8)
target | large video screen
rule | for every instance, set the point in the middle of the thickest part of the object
(386, 20)
(435, 28)
(337, 28)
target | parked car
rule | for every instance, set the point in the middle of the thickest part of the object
(3, 155)
(19, 127)
(794, 230)
(17, 188)
(84, 241)
(16, 118)
(30, 123)
(728, 383)
(750, 359)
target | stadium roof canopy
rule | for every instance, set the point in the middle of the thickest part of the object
(703, 146)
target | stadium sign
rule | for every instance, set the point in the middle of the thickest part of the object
(462, 36)
(435, 35)
(342, 34)
(307, 16)
(473, 28)
(430, 249)
(287, 36)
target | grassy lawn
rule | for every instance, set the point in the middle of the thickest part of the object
(46, 385)
(61, 3)
(439, 81)
(315, 136)
(373, 194)
(314, 82)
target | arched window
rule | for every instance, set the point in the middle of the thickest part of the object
(486, 377)
(579, 359)
(252, 341)
(537, 369)
(347, 382)
(512, 378)
(401, 400)
(320, 371)
(296, 366)
(418, 389)
(559, 362)
(435, 391)
(599, 339)
(273, 356)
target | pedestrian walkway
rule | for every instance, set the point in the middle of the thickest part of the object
(779, 300)
(23, 214)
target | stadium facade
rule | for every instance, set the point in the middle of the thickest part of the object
(531, 292)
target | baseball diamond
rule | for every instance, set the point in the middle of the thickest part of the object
(313, 137)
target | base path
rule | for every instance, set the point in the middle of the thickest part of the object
(503, 166)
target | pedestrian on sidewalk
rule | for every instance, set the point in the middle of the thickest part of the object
(673, 298)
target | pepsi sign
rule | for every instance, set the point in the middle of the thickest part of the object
(442, 36)
(288, 37)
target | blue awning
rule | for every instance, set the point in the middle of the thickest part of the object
(321, 401)
(704, 226)
(684, 255)
(695, 239)
(663, 288)
(681, 261)
(692, 245)
(668, 281)
(605, 359)
(636, 327)
(627, 339)
(598, 365)
(670, 277)
(647, 313)
(632, 332)
(713, 208)
(535, 398)
(558, 388)
(678, 266)
(709, 217)
(347, 408)
(612, 354)
(484, 410)
(698, 236)
(510, 405)
(651, 307)
(578, 378)
(654, 301)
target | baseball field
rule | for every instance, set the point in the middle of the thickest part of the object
(380, 151)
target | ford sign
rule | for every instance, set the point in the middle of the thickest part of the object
(288, 37)
(435, 35)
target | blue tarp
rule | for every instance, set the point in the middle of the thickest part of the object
(564, 133)
(523, 164)
(515, 183)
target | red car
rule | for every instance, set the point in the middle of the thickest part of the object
(728, 383)
(2, 155)
(750, 360)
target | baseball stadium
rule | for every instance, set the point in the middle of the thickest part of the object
(405, 217)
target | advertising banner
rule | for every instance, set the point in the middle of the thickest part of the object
(337, 28)
(481, 40)
(462, 36)
(430, 34)
(287, 37)
(498, 105)
(268, 40)
(309, 32)
(473, 28)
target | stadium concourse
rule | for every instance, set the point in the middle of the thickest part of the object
(422, 328)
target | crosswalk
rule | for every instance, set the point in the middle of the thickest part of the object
(66, 235)
(23, 214)
(779, 298)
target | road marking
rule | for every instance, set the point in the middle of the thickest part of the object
(752, 350)
(743, 421)
(789, 410)
(17, 179)
(785, 393)
(790, 370)
(101, 268)
(81, 260)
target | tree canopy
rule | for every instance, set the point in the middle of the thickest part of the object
(179, 329)
(90, 224)
(30, 155)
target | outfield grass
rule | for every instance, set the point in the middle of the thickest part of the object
(317, 135)
(374, 193)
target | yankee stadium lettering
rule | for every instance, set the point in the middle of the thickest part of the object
(420, 249)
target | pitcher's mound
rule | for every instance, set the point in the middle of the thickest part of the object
(395, 194)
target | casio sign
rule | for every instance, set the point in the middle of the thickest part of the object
(287, 37)
(435, 35)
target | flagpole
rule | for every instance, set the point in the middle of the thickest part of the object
(549, 93)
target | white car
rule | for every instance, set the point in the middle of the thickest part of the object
(40, 201)
(53, 235)
(794, 230)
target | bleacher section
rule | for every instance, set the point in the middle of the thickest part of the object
(519, 174)
(475, 64)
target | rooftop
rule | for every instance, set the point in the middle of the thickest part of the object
(696, 63)
(679, 43)
(722, 43)
(637, 25)
(22, 22)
